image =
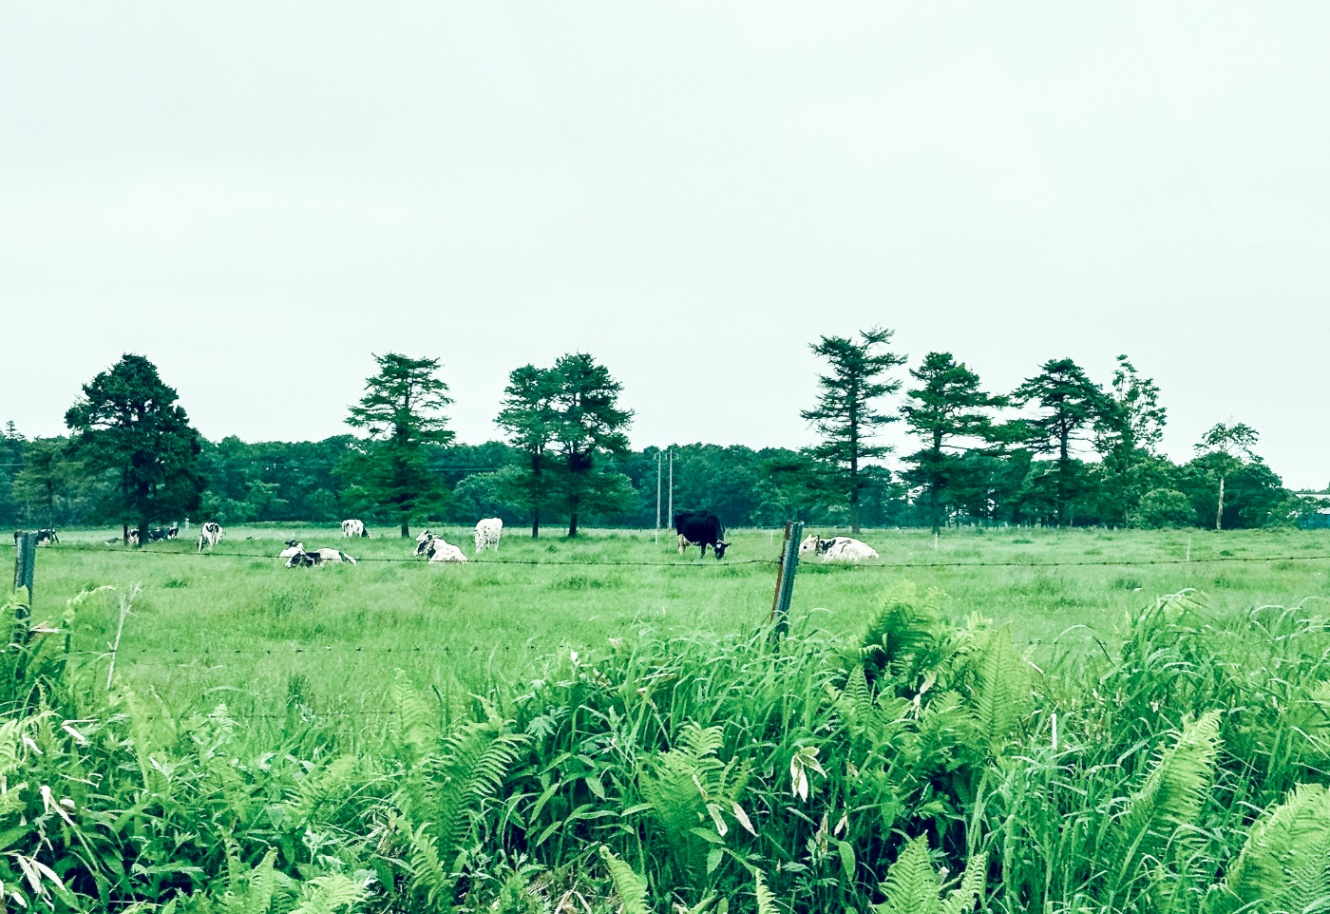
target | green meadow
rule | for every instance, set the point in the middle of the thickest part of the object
(236, 623)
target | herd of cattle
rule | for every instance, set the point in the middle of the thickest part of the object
(694, 528)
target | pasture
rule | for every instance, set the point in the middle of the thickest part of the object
(236, 626)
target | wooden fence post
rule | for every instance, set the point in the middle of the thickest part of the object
(25, 569)
(789, 564)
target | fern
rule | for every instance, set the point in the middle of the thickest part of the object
(766, 901)
(252, 892)
(913, 886)
(418, 720)
(685, 786)
(1002, 694)
(1170, 797)
(445, 793)
(330, 895)
(1285, 864)
(630, 887)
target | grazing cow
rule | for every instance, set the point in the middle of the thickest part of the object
(488, 532)
(354, 528)
(210, 535)
(45, 537)
(700, 528)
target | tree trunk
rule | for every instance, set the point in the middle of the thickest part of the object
(124, 534)
(406, 527)
(537, 496)
(535, 523)
(143, 532)
(1219, 514)
(572, 522)
(854, 506)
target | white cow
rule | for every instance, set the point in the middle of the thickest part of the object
(303, 559)
(845, 549)
(440, 550)
(354, 528)
(210, 535)
(488, 532)
(838, 548)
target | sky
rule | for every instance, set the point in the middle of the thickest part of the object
(258, 196)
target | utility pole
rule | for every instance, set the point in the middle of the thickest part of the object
(671, 511)
(658, 460)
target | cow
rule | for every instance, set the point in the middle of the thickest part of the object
(293, 547)
(700, 528)
(422, 542)
(163, 533)
(488, 532)
(210, 535)
(845, 549)
(45, 537)
(300, 558)
(437, 549)
(354, 528)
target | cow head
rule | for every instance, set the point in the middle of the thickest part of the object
(425, 545)
(824, 545)
(720, 549)
(293, 542)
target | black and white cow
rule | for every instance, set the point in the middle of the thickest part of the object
(700, 528)
(45, 537)
(297, 557)
(163, 533)
(210, 534)
(354, 528)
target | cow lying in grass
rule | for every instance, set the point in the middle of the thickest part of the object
(838, 548)
(297, 557)
(437, 549)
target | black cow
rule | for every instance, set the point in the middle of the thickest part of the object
(162, 533)
(700, 528)
(45, 537)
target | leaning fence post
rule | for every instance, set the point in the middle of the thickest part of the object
(25, 570)
(789, 564)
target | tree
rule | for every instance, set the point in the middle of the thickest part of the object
(402, 410)
(948, 405)
(1227, 443)
(1127, 437)
(846, 415)
(46, 477)
(528, 417)
(1072, 403)
(127, 423)
(587, 421)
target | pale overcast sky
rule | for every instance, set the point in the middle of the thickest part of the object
(259, 195)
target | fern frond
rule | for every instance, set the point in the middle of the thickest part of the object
(1285, 864)
(912, 885)
(630, 887)
(417, 718)
(331, 894)
(1002, 693)
(766, 901)
(1170, 796)
(964, 897)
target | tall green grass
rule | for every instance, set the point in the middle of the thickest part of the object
(928, 763)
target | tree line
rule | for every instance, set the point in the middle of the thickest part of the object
(1059, 450)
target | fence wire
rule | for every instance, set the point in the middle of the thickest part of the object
(724, 563)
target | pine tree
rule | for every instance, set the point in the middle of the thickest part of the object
(402, 411)
(846, 415)
(588, 421)
(1072, 404)
(127, 423)
(529, 418)
(948, 405)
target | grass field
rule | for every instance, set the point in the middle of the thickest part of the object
(236, 625)
(600, 726)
